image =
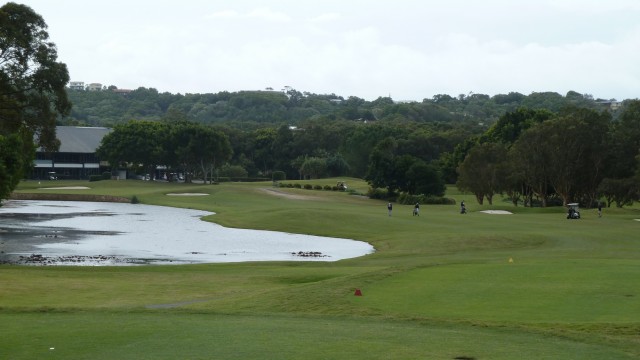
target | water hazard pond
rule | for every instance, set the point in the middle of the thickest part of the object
(100, 233)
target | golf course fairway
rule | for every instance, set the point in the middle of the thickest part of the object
(522, 283)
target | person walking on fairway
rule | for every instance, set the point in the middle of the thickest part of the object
(416, 210)
(599, 209)
(389, 207)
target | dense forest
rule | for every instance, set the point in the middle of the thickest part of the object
(538, 149)
(246, 109)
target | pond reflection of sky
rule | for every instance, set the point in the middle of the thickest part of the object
(156, 233)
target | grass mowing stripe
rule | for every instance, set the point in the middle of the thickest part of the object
(104, 335)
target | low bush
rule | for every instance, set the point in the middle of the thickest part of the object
(308, 186)
(377, 193)
(278, 176)
(407, 199)
(95, 177)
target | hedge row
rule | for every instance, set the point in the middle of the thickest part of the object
(407, 199)
(309, 187)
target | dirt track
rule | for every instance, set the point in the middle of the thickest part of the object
(281, 193)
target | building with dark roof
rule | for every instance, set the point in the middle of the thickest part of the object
(76, 158)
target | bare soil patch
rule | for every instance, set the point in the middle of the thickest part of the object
(283, 194)
(497, 212)
(66, 188)
(187, 194)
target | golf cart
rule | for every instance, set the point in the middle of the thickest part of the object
(574, 211)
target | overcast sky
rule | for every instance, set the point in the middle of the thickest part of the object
(406, 49)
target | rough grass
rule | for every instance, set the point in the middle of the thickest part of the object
(441, 286)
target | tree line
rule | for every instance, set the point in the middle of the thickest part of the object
(538, 148)
(251, 109)
(575, 155)
(535, 157)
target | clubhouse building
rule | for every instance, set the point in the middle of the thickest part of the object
(76, 158)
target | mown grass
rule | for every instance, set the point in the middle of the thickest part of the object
(442, 285)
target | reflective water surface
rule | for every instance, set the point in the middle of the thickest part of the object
(98, 233)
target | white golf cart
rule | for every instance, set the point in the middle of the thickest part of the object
(574, 211)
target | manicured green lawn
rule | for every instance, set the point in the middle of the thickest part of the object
(443, 285)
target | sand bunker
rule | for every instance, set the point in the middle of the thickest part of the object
(66, 188)
(497, 212)
(187, 194)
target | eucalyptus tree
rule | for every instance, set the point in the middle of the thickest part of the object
(425, 179)
(510, 125)
(313, 167)
(200, 146)
(577, 143)
(530, 161)
(380, 173)
(566, 153)
(136, 145)
(260, 147)
(32, 92)
(483, 171)
(625, 142)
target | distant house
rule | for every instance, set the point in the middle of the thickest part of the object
(122, 91)
(611, 104)
(94, 87)
(76, 158)
(76, 85)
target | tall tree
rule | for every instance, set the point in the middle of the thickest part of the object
(382, 160)
(575, 144)
(32, 90)
(530, 161)
(483, 171)
(135, 144)
(425, 179)
(625, 142)
(510, 125)
(210, 148)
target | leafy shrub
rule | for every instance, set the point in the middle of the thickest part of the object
(279, 176)
(232, 171)
(407, 199)
(308, 186)
(95, 177)
(106, 175)
(297, 186)
(327, 187)
(317, 187)
(377, 193)
(134, 200)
